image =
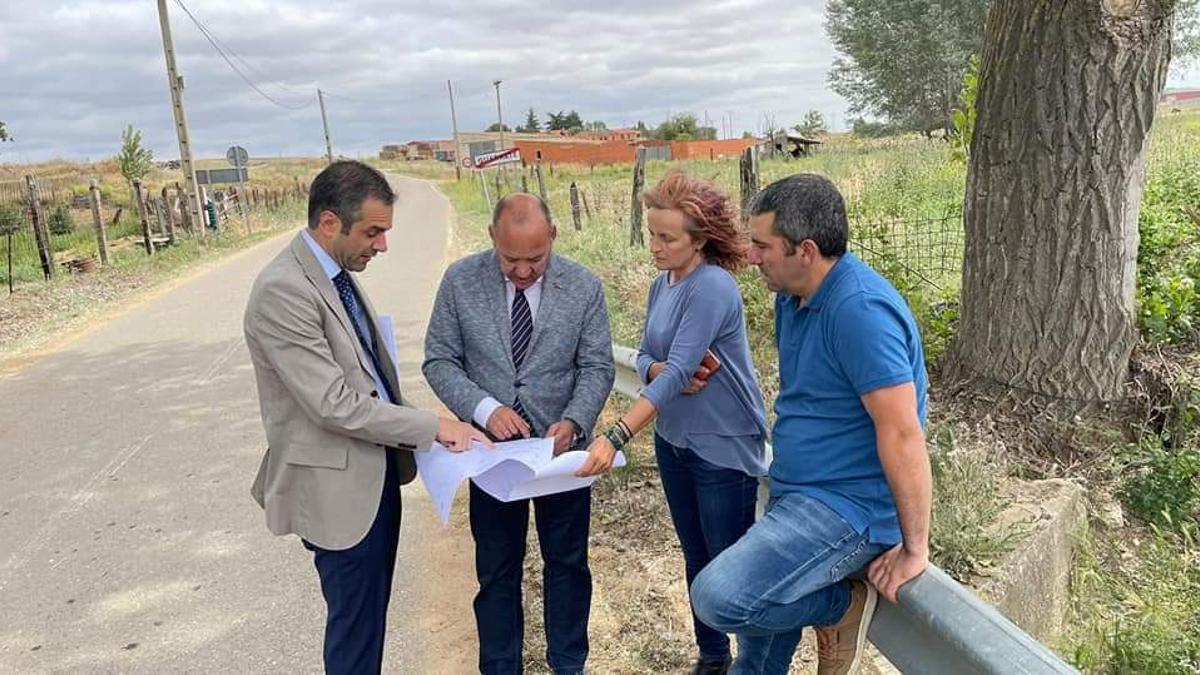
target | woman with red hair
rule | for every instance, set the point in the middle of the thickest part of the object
(700, 383)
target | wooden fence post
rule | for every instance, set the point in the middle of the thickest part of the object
(499, 191)
(575, 206)
(141, 204)
(487, 199)
(749, 175)
(170, 214)
(185, 213)
(158, 215)
(524, 182)
(537, 171)
(101, 234)
(635, 208)
(586, 209)
(40, 233)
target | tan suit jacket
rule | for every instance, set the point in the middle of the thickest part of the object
(327, 429)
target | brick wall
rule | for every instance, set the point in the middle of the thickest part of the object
(710, 149)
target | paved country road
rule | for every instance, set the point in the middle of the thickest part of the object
(128, 539)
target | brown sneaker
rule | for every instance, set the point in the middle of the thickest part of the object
(840, 646)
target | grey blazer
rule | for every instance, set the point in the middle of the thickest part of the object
(327, 430)
(568, 370)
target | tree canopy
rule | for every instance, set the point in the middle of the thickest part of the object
(134, 160)
(903, 62)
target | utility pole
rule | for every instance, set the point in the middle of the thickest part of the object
(499, 115)
(175, 81)
(500, 118)
(325, 123)
(454, 123)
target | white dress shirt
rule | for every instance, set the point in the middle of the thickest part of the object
(533, 295)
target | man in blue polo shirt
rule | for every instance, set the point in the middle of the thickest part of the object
(850, 479)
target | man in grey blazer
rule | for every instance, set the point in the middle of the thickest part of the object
(519, 343)
(340, 435)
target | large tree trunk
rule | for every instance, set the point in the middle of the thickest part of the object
(1067, 95)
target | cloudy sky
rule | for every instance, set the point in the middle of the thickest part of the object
(73, 73)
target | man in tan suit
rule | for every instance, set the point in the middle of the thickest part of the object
(340, 435)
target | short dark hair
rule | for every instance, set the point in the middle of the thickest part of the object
(342, 187)
(504, 201)
(806, 206)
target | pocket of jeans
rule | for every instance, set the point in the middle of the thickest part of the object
(851, 562)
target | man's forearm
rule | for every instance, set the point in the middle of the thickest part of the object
(906, 465)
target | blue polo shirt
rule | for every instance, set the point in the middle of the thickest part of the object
(855, 335)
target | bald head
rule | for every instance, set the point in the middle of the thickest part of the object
(520, 209)
(522, 236)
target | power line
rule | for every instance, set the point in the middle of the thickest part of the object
(421, 89)
(215, 44)
(249, 66)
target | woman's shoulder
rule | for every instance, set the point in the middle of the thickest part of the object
(714, 279)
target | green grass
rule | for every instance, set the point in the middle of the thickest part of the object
(965, 539)
(1137, 604)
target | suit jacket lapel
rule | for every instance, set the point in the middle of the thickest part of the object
(317, 277)
(381, 351)
(498, 298)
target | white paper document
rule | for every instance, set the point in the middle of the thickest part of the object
(512, 470)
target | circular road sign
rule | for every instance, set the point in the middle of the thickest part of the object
(237, 155)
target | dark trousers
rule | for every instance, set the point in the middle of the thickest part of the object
(357, 584)
(711, 508)
(500, 530)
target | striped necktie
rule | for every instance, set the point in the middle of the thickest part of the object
(522, 330)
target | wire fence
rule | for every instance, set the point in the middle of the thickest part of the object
(923, 254)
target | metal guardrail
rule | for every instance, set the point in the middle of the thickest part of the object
(938, 626)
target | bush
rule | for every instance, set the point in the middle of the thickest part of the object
(1163, 487)
(61, 222)
(966, 503)
(11, 219)
(1168, 289)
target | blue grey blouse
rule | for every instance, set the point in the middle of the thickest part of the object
(725, 424)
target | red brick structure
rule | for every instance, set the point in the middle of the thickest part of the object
(732, 147)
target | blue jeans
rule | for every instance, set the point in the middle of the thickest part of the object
(711, 508)
(788, 572)
(500, 530)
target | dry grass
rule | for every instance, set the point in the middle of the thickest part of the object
(38, 312)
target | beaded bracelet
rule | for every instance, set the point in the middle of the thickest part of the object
(614, 436)
(618, 434)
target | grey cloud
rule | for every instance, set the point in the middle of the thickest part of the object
(73, 74)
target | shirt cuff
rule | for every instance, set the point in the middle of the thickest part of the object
(483, 411)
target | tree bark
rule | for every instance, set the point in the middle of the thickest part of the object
(1068, 92)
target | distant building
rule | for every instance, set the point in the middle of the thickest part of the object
(626, 135)
(442, 151)
(1186, 97)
